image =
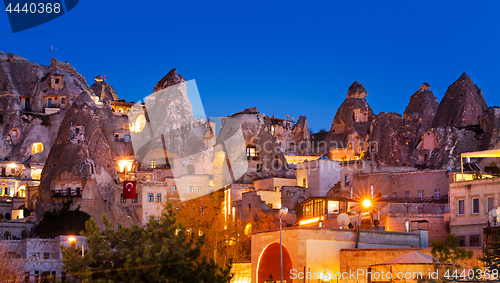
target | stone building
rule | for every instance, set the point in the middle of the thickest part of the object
(301, 246)
(42, 257)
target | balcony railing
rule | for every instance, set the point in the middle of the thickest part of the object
(66, 193)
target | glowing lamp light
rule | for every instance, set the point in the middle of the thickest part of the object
(312, 220)
(367, 203)
(125, 164)
(71, 239)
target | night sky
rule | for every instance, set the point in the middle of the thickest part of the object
(284, 57)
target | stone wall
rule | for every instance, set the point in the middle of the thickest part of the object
(303, 244)
(242, 272)
(437, 226)
(353, 259)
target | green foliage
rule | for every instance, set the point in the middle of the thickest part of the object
(448, 252)
(492, 251)
(160, 252)
(61, 222)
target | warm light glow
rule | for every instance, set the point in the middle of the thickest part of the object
(138, 125)
(37, 147)
(71, 239)
(248, 229)
(125, 164)
(309, 221)
(36, 174)
(367, 203)
(12, 165)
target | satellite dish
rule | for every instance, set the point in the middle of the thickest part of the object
(343, 220)
(493, 216)
(354, 220)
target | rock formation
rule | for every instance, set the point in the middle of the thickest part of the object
(351, 125)
(171, 78)
(301, 136)
(82, 154)
(461, 106)
(33, 99)
(392, 138)
(103, 90)
(268, 160)
(423, 105)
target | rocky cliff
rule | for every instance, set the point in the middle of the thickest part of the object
(423, 105)
(461, 105)
(103, 90)
(82, 154)
(27, 92)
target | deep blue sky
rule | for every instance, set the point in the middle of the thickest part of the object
(285, 57)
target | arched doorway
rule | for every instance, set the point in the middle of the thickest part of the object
(269, 264)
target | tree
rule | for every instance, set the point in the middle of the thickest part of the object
(163, 251)
(447, 253)
(11, 266)
(223, 236)
(492, 250)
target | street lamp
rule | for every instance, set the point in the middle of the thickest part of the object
(283, 210)
(72, 240)
(366, 203)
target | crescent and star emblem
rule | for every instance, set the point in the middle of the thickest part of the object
(131, 185)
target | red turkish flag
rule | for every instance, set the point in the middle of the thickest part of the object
(129, 189)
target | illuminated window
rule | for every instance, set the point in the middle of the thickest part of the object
(152, 163)
(138, 125)
(158, 197)
(22, 193)
(46, 255)
(251, 152)
(37, 147)
(304, 182)
(36, 174)
(151, 197)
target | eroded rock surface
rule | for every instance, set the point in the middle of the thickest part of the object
(462, 105)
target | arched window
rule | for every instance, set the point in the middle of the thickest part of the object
(7, 235)
(37, 147)
(7, 216)
(190, 169)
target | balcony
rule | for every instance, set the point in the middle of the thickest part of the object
(67, 193)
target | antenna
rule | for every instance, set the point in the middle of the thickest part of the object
(52, 50)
